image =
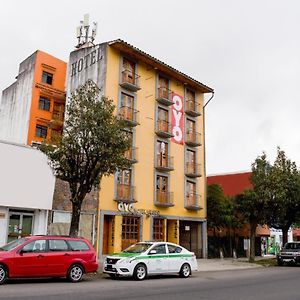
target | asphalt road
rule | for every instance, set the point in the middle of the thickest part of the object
(262, 283)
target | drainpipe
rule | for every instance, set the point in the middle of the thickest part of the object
(205, 249)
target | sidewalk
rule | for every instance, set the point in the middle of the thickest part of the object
(218, 264)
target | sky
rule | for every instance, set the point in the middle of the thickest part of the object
(247, 51)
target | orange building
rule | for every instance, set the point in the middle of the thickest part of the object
(32, 108)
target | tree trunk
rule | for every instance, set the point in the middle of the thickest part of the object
(74, 228)
(252, 241)
(285, 235)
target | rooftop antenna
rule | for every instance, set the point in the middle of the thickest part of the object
(83, 33)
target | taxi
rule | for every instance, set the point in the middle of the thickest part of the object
(151, 258)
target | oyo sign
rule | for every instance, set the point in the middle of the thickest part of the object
(177, 119)
(126, 207)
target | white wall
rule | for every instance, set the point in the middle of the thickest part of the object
(26, 180)
(15, 104)
(3, 225)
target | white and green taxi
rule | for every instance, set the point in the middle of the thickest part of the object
(147, 258)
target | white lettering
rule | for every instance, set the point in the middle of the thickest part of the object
(177, 117)
(177, 102)
(177, 132)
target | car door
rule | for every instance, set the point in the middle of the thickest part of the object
(157, 261)
(175, 259)
(30, 261)
(58, 257)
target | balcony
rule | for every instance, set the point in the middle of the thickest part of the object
(192, 138)
(163, 129)
(125, 193)
(164, 163)
(164, 199)
(129, 115)
(192, 108)
(130, 81)
(192, 170)
(164, 96)
(57, 120)
(192, 201)
(131, 155)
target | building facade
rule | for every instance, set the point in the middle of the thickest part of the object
(268, 240)
(162, 196)
(32, 108)
(27, 186)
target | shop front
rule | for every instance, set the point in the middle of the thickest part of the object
(120, 229)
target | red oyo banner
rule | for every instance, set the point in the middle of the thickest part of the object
(177, 119)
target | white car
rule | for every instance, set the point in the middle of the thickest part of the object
(147, 258)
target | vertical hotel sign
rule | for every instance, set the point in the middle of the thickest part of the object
(177, 119)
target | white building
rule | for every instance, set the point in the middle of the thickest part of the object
(26, 191)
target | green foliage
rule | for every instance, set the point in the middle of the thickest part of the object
(219, 208)
(92, 145)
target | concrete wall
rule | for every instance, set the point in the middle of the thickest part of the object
(84, 64)
(15, 104)
(26, 180)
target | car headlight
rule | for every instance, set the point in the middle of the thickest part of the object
(126, 260)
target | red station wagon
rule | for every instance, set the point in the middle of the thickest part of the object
(47, 256)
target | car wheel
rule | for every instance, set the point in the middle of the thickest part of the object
(75, 273)
(185, 271)
(140, 272)
(279, 262)
(3, 274)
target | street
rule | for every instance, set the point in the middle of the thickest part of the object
(262, 283)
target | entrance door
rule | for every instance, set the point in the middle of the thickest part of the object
(20, 225)
(130, 231)
(190, 236)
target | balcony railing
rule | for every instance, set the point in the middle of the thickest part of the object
(164, 162)
(131, 155)
(125, 193)
(164, 198)
(192, 138)
(129, 114)
(57, 120)
(192, 108)
(164, 96)
(192, 169)
(130, 80)
(163, 129)
(192, 201)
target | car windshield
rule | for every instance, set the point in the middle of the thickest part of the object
(292, 246)
(12, 245)
(138, 248)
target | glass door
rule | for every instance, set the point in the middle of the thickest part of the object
(20, 225)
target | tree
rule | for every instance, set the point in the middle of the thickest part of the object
(219, 212)
(285, 191)
(92, 146)
(252, 204)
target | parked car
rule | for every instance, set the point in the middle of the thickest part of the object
(47, 256)
(290, 253)
(147, 258)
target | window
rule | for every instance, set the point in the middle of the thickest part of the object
(124, 177)
(44, 103)
(161, 183)
(128, 71)
(35, 246)
(190, 126)
(160, 249)
(190, 188)
(174, 249)
(58, 245)
(162, 154)
(158, 229)
(130, 228)
(163, 87)
(191, 157)
(47, 77)
(41, 131)
(79, 245)
(163, 119)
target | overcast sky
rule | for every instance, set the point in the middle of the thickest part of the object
(247, 51)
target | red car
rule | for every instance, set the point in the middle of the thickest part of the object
(47, 256)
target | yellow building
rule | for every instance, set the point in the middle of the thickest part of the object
(162, 196)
